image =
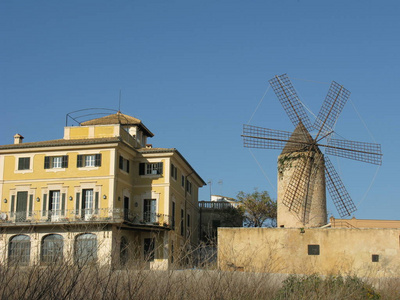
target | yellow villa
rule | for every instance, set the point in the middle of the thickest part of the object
(100, 194)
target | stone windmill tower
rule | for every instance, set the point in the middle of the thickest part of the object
(303, 170)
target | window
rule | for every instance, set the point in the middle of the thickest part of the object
(183, 181)
(54, 205)
(151, 168)
(24, 163)
(123, 255)
(149, 211)
(149, 249)
(19, 250)
(56, 162)
(52, 249)
(182, 222)
(124, 164)
(313, 249)
(86, 249)
(174, 172)
(188, 225)
(173, 215)
(90, 204)
(92, 160)
(21, 207)
(188, 187)
(375, 258)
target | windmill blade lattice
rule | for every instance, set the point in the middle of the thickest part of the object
(291, 103)
(361, 151)
(302, 146)
(331, 108)
(264, 138)
(337, 190)
(298, 187)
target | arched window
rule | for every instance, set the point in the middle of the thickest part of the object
(123, 254)
(19, 250)
(52, 249)
(86, 248)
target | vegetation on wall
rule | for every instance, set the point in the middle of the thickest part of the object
(259, 210)
(286, 162)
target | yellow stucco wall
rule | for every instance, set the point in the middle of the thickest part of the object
(279, 250)
(110, 185)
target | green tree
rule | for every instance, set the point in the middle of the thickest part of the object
(259, 209)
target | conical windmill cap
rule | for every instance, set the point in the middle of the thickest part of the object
(299, 141)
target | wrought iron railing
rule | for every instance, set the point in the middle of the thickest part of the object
(215, 204)
(116, 215)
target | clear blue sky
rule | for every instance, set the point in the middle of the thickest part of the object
(195, 71)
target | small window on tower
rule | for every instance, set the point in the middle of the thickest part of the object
(375, 258)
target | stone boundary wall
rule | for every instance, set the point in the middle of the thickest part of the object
(369, 253)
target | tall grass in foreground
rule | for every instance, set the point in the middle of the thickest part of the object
(63, 281)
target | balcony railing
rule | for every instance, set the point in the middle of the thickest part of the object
(99, 215)
(216, 204)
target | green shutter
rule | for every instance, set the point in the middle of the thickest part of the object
(141, 168)
(63, 204)
(160, 168)
(96, 203)
(20, 161)
(121, 162)
(79, 161)
(65, 161)
(127, 166)
(27, 163)
(24, 163)
(12, 205)
(47, 162)
(44, 210)
(77, 202)
(97, 161)
(30, 205)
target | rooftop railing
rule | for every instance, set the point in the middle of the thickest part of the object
(216, 204)
(100, 215)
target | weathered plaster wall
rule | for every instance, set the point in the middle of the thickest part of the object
(281, 250)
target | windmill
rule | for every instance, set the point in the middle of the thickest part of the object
(303, 170)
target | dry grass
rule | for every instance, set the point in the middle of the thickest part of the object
(66, 280)
(63, 281)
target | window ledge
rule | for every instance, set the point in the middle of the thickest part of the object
(88, 168)
(56, 170)
(151, 175)
(23, 171)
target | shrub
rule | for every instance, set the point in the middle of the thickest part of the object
(331, 287)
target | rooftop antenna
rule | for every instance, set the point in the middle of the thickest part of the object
(119, 104)
(210, 184)
(220, 183)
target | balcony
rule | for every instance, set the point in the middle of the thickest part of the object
(86, 216)
(216, 205)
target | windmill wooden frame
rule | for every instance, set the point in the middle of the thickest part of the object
(301, 140)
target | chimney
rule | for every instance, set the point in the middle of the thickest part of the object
(18, 139)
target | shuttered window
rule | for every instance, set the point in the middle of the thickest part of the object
(24, 163)
(124, 164)
(54, 162)
(151, 168)
(91, 160)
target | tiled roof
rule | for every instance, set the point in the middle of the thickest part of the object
(156, 150)
(61, 142)
(118, 118)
